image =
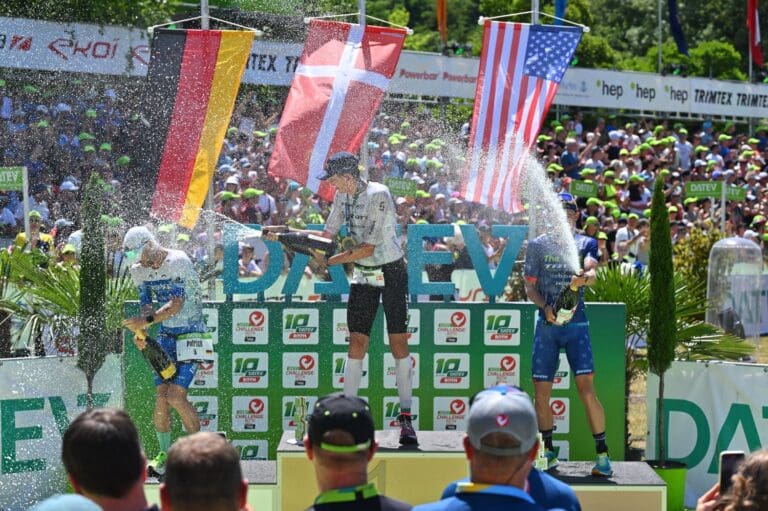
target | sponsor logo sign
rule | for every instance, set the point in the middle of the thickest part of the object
(300, 326)
(250, 370)
(207, 374)
(390, 381)
(501, 327)
(451, 371)
(340, 365)
(501, 369)
(392, 410)
(289, 410)
(561, 411)
(207, 408)
(300, 370)
(250, 326)
(340, 329)
(249, 413)
(252, 450)
(452, 327)
(450, 413)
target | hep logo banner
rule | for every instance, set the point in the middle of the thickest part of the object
(307, 362)
(256, 318)
(256, 406)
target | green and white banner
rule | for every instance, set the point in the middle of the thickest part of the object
(38, 399)
(709, 408)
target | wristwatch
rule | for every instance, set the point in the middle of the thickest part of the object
(149, 318)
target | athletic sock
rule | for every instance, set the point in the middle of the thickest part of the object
(164, 439)
(353, 373)
(600, 445)
(403, 377)
(546, 435)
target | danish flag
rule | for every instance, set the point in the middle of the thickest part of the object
(341, 78)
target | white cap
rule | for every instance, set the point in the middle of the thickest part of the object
(232, 181)
(137, 237)
(68, 186)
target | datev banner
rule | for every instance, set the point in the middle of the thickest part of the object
(38, 399)
(709, 408)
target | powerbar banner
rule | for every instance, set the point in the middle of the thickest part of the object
(708, 408)
(84, 48)
(39, 397)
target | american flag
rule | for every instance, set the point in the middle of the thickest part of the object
(520, 69)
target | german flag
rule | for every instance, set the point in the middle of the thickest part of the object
(193, 79)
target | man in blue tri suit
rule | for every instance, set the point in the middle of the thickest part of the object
(168, 278)
(547, 273)
(500, 444)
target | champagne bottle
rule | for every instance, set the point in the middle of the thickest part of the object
(565, 305)
(300, 418)
(303, 242)
(157, 358)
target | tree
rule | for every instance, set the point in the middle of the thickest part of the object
(717, 59)
(140, 13)
(661, 331)
(93, 342)
(595, 51)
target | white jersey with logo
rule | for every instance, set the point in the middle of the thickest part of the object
(176, 277)
(370, 218)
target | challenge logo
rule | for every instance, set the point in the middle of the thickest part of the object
(501, 369)
(390, 373)
(206, 376)
(207, 409)
(299, 370)
(340, 328)
(249, 370)
(451, 371)
(249, 413)
(452, 326)
(300, 326)
(450, 413)
(340, 366)
(559, 407)
(392, 411)
(250, 326)
(501, 327)
(251, 450)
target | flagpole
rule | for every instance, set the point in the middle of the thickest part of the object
(534, 12)
(660, 42)
(211, 248)
(361, 12)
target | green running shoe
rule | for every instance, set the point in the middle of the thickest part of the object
(602, 466)
(156, 467)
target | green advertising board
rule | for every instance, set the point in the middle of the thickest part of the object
(400, 187)
(714, 189)
(270, 352)
(583, 188)
(12, 178)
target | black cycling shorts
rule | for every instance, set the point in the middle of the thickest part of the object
(364, 301)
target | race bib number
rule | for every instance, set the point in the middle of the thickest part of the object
(197, 347)
(372, 277)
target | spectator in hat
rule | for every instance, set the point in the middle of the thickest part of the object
(39, 242)
(340, 443)
(501, 444)
(204, 474)
(248, 266)
(37, 202)
(68, 256)
(570, 159)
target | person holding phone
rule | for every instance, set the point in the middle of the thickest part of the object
(748, 489)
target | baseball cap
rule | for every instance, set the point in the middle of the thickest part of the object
(568, 202)
(505, 410)
(69, 248)
(249, 193)
(34, 214)
(340, 163)
(68, 186)
(136, 238)
(338, 411)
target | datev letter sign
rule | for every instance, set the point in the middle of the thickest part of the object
(418, 258)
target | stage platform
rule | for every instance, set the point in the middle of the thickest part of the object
(419, 474)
